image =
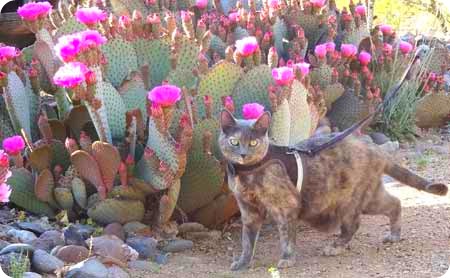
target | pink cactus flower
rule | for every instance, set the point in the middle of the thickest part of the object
(317, 3)
(283, 76)
(5, 192)
(405, 47)
(364, 58)
(4, 159)
(91, 38)
(68, 47)
(330, 46)
(8, 52)
(34, 10)
(303, 67)
(90, 16)
(386, 29)
(233, 17)
(247, 46)
(165, 95)
(14, 145)
(348, 50)
(124, 21)
(70, 75)
(360, 10)
(201, 4)
(273, 4)
(320, 51)
(252, 111)
(387, 49)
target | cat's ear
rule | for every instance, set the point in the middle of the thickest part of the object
(262, 124)
(227, 121)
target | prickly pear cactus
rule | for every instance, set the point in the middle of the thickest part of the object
(332, 92)
(280, 127)
(279, 30)
(347, 110)
(321, 75)
(116, 211)
(432, 110)
(5, 122)
(187, 54)
(300, 114)
(79, 192)
(134, 94)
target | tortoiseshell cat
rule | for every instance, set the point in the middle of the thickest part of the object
(339, 184)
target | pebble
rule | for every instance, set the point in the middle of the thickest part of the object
(365, 138)
(73, 236)
(191, 227)
(18, 248)
(3, 244)
(111, 246)
(115, 229)
(43, 262)
(21, 236)
(116, 272)
(211, 235)
(390, 147)
(162, 259)
(90, 268)
(177, 245)
(38, 227)
(144, 265)
(131, 228)
(379, 138)
(72, 253)
(31, 275)
(6, 216)
(48, 240)
(145, 246)
(84, 230)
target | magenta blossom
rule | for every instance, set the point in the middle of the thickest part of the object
(387, 49)
(5, 192)
(303, 67)
(364, 58)
(91, 38)
(201, 4)
(90, 16)
(317, 3)
(68, 47)
(283, 76)
(34, 10)
(71, 75)
(386, 29)
(4, 159)
(330, 46)
(360, 10)
(233, 17)
(405, 47)
(165, 95)
(348, 50)
(13, 145)
(247, 46)
(320, 51)
(273, 4)
(8, 53)
(252, 111)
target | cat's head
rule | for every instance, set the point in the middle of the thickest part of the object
(244, 142)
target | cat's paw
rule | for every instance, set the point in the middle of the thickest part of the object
(286, 263)
(332, 250)
(238, 265)
(391, 238)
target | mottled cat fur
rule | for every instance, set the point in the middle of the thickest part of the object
(339, 184)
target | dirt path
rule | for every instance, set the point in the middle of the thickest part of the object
(424, 251)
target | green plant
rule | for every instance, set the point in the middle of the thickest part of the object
(18, 265)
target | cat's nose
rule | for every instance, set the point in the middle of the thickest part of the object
(243, 155)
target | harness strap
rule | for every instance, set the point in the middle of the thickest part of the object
(298, 159)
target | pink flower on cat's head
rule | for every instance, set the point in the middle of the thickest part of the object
(201, 4)
(5, 192)
(68, 47)
(4, 159)
(330, 46)
(91, 15)
(348, 50)
(252, 111)
(283, 76)
(34, 10)
(165, 95)
(317, 3)
(247, 46)
(360, 10)
(233, 17)
(7, 53)
(70, 75)
(320, 51)
(386, 29)
(405, 47)
(303, 67)
(364, 58)
(14, 145)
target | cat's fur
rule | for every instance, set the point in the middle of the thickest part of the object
(339, 184)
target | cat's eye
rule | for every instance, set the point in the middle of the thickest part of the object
(234, 141)
(253, 143)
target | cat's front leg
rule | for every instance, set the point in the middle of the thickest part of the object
(287, 231)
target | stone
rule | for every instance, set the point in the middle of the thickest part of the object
(115, 229)
(162, 259)
(72, 253)
(18, 248)
(84, 230)
(3, 244)
(111, 246)
(19, 261)
(73, 236)
(210, 235)
(176, 245)
(48, 240)
(31, 275)
(6, 216)
(131, 228)
(43, 262)
(90, 268)
(379, 138)
(145, 246)
(390, 147)
(144, 265)
(191, 227)
(116, 272)
(38, 226)
(365, 138)
(21, 236)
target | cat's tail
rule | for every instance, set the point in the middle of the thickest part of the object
(407, 177)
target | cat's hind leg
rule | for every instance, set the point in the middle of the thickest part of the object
(385, 204)
(287, 228)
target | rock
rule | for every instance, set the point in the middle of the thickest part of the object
(74, 236)
(191, 227)
(211, 235)
(162, 259)
(390, 147)
(43, 262)
(379, 138)
(72, 254)
(131, 228)
(6, 216)
(115, 229)
(365, 138)
(90, 268)
(20, 262)
(48, 240)
(38, 227)
(111, 246)
(18, 248)
(3, 244)
(144, 265)
(21, 236)
(116, 272)
(145, 246)
(31, 275)
(177, 245)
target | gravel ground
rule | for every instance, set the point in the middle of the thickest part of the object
(424, 251)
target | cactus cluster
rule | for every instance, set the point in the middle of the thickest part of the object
(110, 151)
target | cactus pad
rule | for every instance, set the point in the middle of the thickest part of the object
(116, 211)
(87, 167)
(279, 30)
(76, 119)
(108, 160)
(63, 196)
(217, 212)
(281, 124)
(432, 110)
(41, 157)
(69, 26)
(300, 126)
(188, 53)
(321, 76)
(134, 94)
(79, 192)
(43, 188)
(347, 110)
(129, 193)
(332, 92)
(18, 104)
